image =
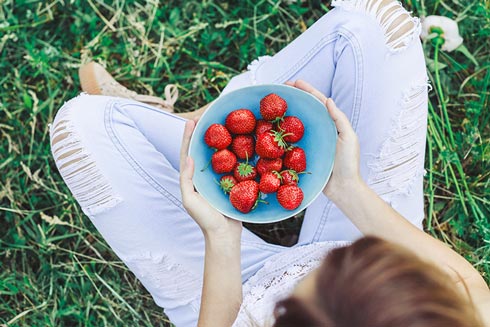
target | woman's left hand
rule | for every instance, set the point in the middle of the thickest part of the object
(212, 222)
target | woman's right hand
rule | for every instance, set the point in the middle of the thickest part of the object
(212, 223)
(346, 174)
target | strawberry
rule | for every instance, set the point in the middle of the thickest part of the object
(295, 159)
(272, 107)
(269, 182)
(244, 171)
(223, 161)
(217, 136)
(270, 145)
(243, 146)
(292, 127)
(289, 196)
(244, 196)
(227, 182)
(263, 126)
(241, 121)
(264, 165)
(289, 177)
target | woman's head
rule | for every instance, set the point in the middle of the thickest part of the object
(376, 283)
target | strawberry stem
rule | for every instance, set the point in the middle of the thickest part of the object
(279, 138)
(278, 119)
(259, 200)
(207, 165)
(209, 162)
(304, 172)
(263, 201)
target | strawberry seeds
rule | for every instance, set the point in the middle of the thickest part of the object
(258, 155)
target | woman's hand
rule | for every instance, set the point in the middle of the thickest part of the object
(212, 223)
(346, 174)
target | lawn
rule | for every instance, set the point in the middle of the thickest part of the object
(55, 269)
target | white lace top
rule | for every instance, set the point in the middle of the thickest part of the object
(276, 280)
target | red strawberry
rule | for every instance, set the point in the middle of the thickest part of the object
(289, 196)
(270, 145)
(289, 177)
(292, 127)
(244, 196)
(241, 121)
(295, 159)
(243, 146)
(217, 136)
(244, 171)
(269, 182)
(226, 183)
(223, 161)
(272, 107)
(264, 165)
(263, 126)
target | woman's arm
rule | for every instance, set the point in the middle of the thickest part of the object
(222, 283)
(373, 216)
(222, 288)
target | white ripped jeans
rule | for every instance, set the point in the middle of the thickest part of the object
(120, 158)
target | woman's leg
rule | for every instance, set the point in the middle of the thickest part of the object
(120, 159)
(366, 55)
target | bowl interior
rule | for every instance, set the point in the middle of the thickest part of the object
(319, 143)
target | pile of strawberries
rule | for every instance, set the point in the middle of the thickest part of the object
(258, 155)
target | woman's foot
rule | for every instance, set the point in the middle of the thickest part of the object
(97, 81)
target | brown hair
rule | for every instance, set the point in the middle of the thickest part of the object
(376, 283)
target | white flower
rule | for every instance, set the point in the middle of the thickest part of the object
(450, 30)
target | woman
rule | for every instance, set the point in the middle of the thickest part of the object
(120, 160)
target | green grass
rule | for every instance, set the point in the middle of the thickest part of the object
(55, 269)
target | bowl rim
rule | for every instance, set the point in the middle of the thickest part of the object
(293, 212)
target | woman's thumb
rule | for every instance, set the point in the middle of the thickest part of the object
(340, 119)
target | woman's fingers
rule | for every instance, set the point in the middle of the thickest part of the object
(186, 173)
(302, 85)
(186, 162)
(186, 139)
(340, 119)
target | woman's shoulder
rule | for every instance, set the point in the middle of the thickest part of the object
(278, 277)
(300, 254)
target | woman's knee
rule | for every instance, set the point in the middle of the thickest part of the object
(68, 127)
(73, 154)
(399, 27)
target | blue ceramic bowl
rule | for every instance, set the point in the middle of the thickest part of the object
(319, 143)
